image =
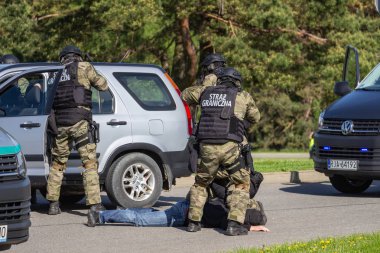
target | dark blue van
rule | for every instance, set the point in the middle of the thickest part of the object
(15, 193)
(347, 143)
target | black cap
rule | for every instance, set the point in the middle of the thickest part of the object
(211, 58)
(70, 49)
(9, 59)
(229, 72)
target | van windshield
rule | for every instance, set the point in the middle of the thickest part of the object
(371, 81)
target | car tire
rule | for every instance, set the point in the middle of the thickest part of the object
(347, 185)
(134, 180)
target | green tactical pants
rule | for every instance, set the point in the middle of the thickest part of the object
(212, 156)
(60, 154)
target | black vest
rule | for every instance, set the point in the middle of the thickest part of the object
(218, 124)
(70, 94)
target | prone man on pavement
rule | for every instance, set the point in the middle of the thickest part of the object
(72, 122)
(221, 134)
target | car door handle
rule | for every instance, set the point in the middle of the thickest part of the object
(30, 125)
(116, 123)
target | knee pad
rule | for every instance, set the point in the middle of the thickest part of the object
(91, 165)
(57, 166)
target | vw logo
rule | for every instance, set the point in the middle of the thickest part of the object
(347, 127)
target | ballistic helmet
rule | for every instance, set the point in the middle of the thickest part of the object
(228, 74)
(211, 58)
(9, 59)
(70, 50)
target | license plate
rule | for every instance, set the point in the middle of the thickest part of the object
(333, 164)
(3, 233)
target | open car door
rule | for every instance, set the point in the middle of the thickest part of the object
(25, 103)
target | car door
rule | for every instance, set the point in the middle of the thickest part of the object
(24, 104)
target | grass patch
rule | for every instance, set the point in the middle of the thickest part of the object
(285, 150)
(282, 165)
(364, 243)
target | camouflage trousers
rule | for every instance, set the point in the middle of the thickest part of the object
(60, 154)
(212, 157)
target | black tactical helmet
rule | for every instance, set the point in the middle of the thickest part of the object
(70, 49)
(227, 73)
(211, 58)
(9, 59)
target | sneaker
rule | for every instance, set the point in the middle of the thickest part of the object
(54, 208)
(234, 228)
(92, 218)
(194, 226)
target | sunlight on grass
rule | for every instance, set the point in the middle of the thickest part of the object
(364, 243)
(282, 165)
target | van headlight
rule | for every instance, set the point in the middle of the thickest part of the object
(21, 164)
(320, 119)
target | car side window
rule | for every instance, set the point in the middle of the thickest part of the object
(24, 96)
(102, 102)
(148, 90)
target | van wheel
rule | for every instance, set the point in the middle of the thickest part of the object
(347, 185)
(134, 180)
(5, 246)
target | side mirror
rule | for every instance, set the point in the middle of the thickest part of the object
(2, 113)
(342, 88)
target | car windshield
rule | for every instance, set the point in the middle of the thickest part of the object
(371, 81)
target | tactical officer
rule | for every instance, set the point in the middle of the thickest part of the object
(220, 133)
(9, 59)
(73, 118)
(209, 66)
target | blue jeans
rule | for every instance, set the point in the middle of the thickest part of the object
(174, 216)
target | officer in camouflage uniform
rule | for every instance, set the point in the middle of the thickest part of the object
(209, 66)
(72, 109)
(220, 133)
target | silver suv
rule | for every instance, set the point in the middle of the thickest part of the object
(144, 129)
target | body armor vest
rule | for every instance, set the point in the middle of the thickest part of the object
(218, 124)
(71, 97)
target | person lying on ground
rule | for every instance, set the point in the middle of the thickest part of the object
(215, 216)
(215, 211)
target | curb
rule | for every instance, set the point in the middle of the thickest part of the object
(305, 176)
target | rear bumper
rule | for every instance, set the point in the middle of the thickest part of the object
(15, 209)
(369, 164)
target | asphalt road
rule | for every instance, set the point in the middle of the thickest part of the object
(296, 212)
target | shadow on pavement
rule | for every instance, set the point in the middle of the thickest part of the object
(326, 189)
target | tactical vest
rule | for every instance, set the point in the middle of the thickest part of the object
(70, 98)
(218, 124)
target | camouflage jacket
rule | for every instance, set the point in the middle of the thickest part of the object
(87, 76)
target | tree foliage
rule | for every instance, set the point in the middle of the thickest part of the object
(290, 52)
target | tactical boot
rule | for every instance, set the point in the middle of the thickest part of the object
(97, 207)
(194, 226)
(54, 208)
(92, 218)
(235, 228)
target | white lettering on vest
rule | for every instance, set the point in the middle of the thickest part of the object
(219, 100)
(65, 76)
